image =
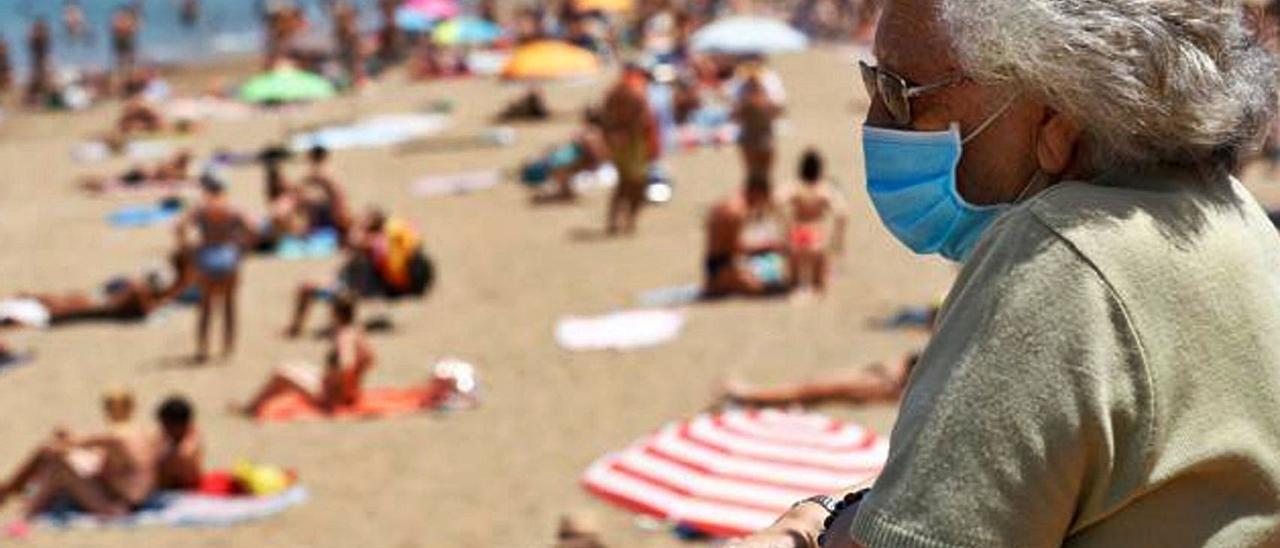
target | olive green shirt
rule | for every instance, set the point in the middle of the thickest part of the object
(1106, 373)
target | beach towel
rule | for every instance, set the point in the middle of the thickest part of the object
(374, 403)
(207, 108)
(24, 312)
(319, 244)
(458, 183)
(185, 509)
(137, 151)
(620, 330)
(374, 132)
(668, 297)
(141, 216)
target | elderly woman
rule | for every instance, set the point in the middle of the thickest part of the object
(1106, 371)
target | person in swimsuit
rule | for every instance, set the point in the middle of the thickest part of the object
(223, 235)
(180, 448)
(745, 253)
(163, 175)
(756, 113)
(124, 39)
(189, 13)
(39, 44)
(346, 29)
(631, 132)
(119, 299)
(810, 204)
(321, 197)
(6, 67)
(108, 474)
(339, 383)
(882, 382)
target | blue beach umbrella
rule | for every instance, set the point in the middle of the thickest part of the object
(743, 35)
(415, 21)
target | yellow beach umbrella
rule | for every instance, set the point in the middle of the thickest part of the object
(606, 5)
(550, 60)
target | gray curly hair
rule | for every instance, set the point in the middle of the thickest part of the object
(1149, 81)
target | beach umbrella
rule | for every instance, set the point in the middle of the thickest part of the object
(413, 21)
(286, 85)
(550, 60)
(733, 473)
(616, 6)
(748, 35)
(466, 31)
(434, 9)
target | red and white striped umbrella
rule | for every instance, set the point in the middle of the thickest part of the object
(732, 474)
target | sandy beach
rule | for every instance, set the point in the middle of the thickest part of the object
(499, 475)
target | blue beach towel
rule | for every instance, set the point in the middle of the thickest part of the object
(180, 509)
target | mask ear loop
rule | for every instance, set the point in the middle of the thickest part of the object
(1039, 181)
(990, 119)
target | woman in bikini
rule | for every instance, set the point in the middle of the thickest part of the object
(810, 205)
(223, 235)
(339, 383)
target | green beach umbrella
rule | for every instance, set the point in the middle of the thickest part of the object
(286, 85)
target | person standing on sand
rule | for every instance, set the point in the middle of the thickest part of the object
(391, 40)
(124, 40)
(223, 235)
(189, 13)
(756, 114)
(811, 204)
(346, 28)
(6, 68)
(39, 45)
(1106, 369)
(631, 132)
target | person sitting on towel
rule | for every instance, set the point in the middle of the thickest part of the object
(180, 451)
(321, 198)
(339, 383)
(588, 152)
(108, 474)
(746, 254)
(385, 261)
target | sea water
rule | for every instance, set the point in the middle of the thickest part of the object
(226, 28)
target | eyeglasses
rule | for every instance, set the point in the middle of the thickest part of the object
(896, 92)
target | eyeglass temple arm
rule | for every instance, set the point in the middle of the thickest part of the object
(929, 88)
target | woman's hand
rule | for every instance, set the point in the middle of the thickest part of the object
(798, 528)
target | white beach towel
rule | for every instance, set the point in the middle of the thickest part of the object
(24, 312)
(620, 330)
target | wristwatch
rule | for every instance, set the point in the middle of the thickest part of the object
(827, 503)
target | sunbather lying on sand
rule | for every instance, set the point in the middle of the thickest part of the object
(121, 298)
(112, 473)
(881, 382)
(165, 174)
(339, 383)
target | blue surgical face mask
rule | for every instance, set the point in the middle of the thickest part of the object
(911, 178)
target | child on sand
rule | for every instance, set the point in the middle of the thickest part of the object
(810, 205)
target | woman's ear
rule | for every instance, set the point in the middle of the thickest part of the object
(1058, 142)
